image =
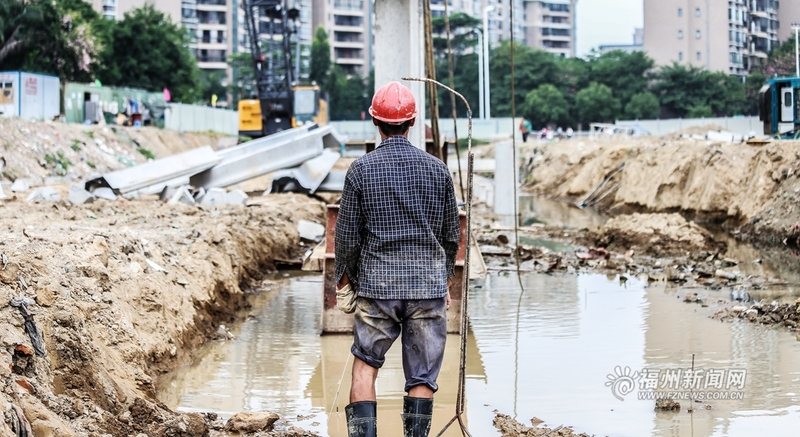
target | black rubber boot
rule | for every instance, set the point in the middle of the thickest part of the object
(417, 414)
(362, 419)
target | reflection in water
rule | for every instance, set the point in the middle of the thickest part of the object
(534, 209)
(573, 331)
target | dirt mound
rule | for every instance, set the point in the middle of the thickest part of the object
(509, 427)
(122, 291)
(711, 180)
(654, 234)
(37, 150)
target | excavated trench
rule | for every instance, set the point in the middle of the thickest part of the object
(546, 353)
(122, 292)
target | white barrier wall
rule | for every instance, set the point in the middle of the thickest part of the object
(194, 118)
(487, 130)
(745, 126)
(29, 96)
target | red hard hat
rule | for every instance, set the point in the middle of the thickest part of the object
(393, 103)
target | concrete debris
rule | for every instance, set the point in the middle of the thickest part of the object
(310, 230)
(44, 194)
(313, 259)
(56, 180)
(21, 185)
(251, 422)
(154, 266)
(104, 193)
(236, 197)
(168, 192)
(78, 196)
(723, 136)
(2, 193)
(224, 334)
(213, 197)
(182, 195)
(725, 275)
(667, 405)
(334, 182)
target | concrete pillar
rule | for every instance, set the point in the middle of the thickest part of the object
(506, 176)
(400, 52)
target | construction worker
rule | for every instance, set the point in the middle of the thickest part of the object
(397, 235)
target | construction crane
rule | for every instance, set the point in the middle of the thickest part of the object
(778, 107)
(280, 104)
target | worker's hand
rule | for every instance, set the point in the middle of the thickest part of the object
(449, 284)
(343, 282)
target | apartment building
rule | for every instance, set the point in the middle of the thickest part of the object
(731, 37)
(637, 46)
(790, 14)
(550, 26)
(349, 24)
(216, 27)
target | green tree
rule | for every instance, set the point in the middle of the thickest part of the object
(211, 83)
(348, 95)
(546, 105)
(465, 66)
(687, 90)
(643, 106)
(147, 50)
(625, 73)
(243, 82)
(532, 68)
(780, 62)
(699, 111)
(52, 37)
(597, 104)
(320, 57)
(681, 87)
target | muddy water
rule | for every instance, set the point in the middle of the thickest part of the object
(552, 362)
(546, 354)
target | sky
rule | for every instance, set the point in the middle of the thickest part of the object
(607, 22)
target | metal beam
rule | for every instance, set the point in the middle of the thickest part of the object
(308, 177)
(158, 171)
(265, 155)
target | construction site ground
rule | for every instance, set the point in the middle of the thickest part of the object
(123, 291)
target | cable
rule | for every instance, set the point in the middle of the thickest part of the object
(516, 205)
(462, 365)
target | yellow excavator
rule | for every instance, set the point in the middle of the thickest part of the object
(280, 104)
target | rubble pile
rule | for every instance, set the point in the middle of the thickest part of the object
(120, 292)
(509, 427)
(771, 314)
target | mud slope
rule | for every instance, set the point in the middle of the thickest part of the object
(710, 180)
(124, 291)
(36, 150)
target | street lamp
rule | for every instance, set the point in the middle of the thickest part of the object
(480, 74)
(487, 101)
(796, 28)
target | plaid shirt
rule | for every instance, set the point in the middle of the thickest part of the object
(398, 229)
